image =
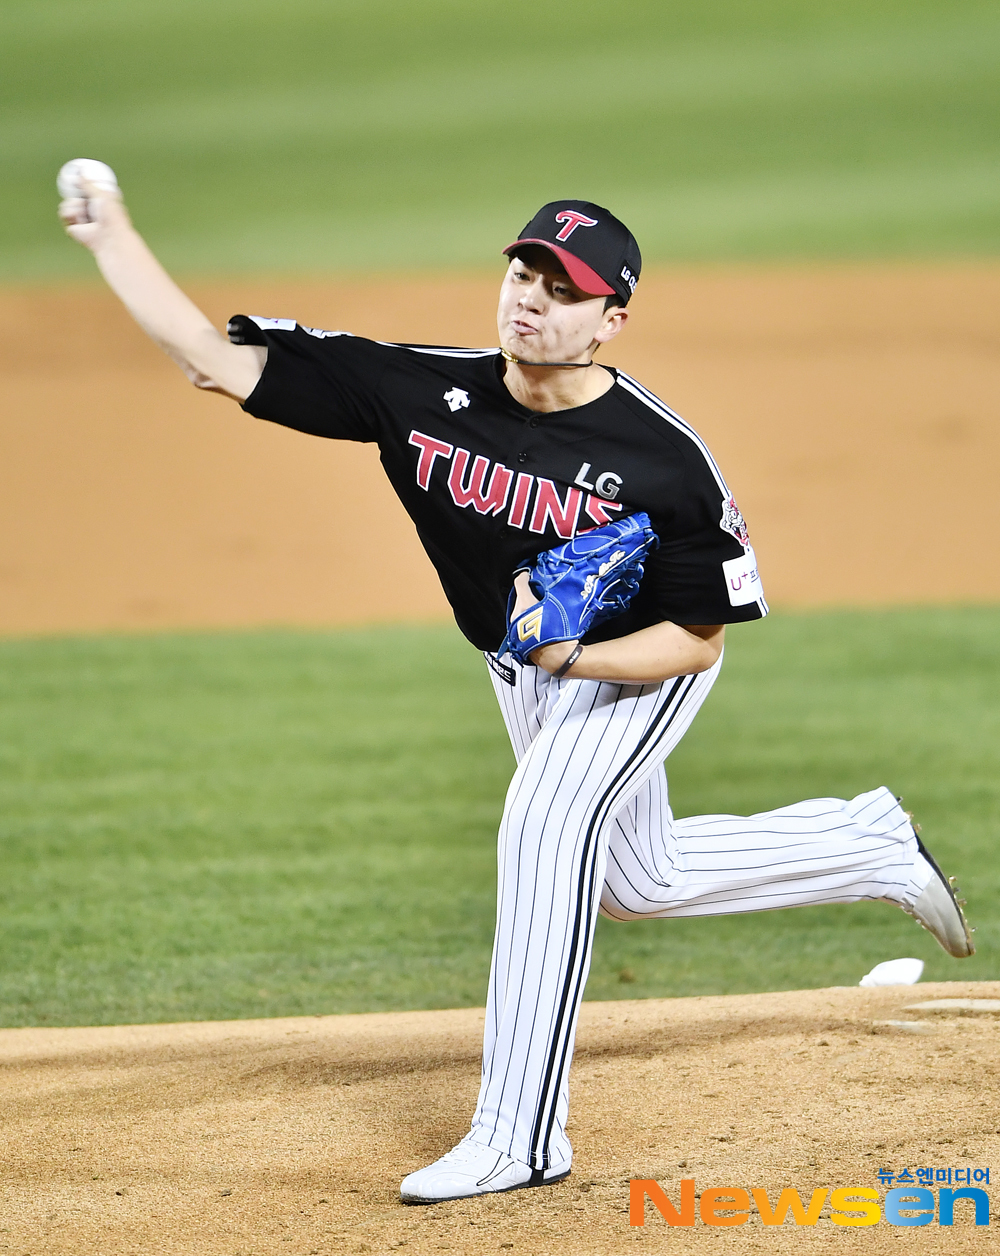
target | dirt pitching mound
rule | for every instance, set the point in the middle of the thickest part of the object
(248, 1138)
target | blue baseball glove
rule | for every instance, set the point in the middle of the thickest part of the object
(581, 583)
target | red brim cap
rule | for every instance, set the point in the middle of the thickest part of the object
(586, 280)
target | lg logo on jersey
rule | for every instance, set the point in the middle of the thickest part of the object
(605, 485)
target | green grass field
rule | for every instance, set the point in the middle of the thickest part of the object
(324, 134)
(270, 823)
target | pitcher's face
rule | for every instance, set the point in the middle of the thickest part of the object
(544, 317)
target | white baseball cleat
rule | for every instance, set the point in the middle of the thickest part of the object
(939, 910)
(472, 1169)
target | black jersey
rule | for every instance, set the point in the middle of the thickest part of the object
(489, 484)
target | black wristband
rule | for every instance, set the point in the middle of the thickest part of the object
(569, 662)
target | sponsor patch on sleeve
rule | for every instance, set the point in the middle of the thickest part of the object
(322, 334)
(273, 324)
(732, 521)
(742, 580)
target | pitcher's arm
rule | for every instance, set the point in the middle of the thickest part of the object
(101, 224)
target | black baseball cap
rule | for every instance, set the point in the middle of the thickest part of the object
(599, 252)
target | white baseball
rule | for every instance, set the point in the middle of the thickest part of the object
(68, 179)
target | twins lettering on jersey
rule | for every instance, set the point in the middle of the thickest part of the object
(491, 488)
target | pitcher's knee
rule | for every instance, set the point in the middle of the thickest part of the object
(624, 903)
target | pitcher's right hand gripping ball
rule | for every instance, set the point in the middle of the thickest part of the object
(581, 583)
(97, 172)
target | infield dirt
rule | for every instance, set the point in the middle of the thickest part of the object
(250, 1138)
(853, 410)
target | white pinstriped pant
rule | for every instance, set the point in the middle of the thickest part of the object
(587, 827)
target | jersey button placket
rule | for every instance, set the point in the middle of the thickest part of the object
(533, 421)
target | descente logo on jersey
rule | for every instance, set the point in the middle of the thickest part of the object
(491, 488)
(850, 1205)
(457, 399)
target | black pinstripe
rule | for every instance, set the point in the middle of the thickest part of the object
(588, 827)
(533, 886)
(583, 929)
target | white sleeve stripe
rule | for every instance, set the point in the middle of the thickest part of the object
(660, 408)
(675, 420)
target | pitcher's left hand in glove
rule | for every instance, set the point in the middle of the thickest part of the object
(581, 583)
